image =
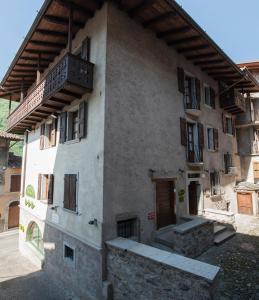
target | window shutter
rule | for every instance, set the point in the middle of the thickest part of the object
(233, 126)
(50, 189)
(183, 131)
(216, 138)
(224, 129)
(180, 74)
(72, 190)
(42, 135)
(212, 98)
(63, 127)
(201, 134)
(53, 133)
(66, 191)
(39, 186)
(82, 127)
(69, 126)
(85, 49)
(198, 91)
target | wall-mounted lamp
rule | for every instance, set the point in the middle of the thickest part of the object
(54, 116)
(28, 130)
(93, 222)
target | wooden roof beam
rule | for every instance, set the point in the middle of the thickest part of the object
(159, 19)
(166, 33)
(36, 59)
(47, 44)
(22, 76)
(216, 68)
(139, 8)
(54, 33)
(36, 66)
(47, 52)
(82, 9)
(202, 55)
(62, 21)
(208, 62)
(24, 71)
(183, 40)
(222, 73)
(193, 48)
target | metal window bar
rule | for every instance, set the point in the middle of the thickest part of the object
(126, 228)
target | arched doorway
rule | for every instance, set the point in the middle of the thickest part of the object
(13, 215)
(34, 237)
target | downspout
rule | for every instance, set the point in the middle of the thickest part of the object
(24, 163)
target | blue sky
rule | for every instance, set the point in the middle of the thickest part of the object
(233, 24)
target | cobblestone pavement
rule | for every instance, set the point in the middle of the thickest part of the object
(21, 280)
(239, 261)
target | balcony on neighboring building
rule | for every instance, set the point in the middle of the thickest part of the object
(233, 102)
(192, 106)
(194, 156)
(68, 80)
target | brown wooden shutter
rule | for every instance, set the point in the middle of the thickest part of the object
(82, 127)
(216, 138)
(39, 186)
(50, 189)
(201, 135)
(212, 98)
(224, 129)
(85, 49)
(63, 127)
(15, 183)
(69, 126)
(183, 129)
(42, 136)
(72, 190)
(198, 91)
(53, 133)
(180, 74)
(233, 126)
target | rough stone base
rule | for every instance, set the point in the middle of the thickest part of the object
(83, 277)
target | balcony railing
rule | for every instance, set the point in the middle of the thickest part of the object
(195, 154)
(192, 104)
(72, 76)
(233, 102)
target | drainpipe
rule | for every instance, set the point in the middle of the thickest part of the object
(24, 163)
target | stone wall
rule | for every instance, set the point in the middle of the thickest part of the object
(137, 271)
(193, 241)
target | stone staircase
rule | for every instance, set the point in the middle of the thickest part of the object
(222, 233)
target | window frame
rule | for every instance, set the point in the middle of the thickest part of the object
(216, 182)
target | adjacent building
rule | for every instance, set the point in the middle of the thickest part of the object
(10, 182)
(129, 126)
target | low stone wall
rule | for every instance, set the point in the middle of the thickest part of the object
(140, 272)
(193, 238)
(220, 215)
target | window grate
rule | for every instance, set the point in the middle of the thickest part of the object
(127, 228)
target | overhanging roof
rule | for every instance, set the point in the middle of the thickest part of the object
(48, 36)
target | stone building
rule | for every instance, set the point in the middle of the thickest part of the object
(10, 180)
(126, 133)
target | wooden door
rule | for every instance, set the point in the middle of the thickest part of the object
(193, 198)
(165, 203)
(244, 201)
(13, 218)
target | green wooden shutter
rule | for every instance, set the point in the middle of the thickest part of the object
(63, 127)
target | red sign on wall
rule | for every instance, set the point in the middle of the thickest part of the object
(151, 215)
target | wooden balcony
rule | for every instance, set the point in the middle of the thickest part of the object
(233, 102)
(68, 80)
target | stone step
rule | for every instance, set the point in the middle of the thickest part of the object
(219, 228)
(223, 237)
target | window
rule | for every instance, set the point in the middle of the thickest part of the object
(214, 183)
(70, 192)
(228, 124)
(209, 96)
(34, 237)
(48, 134)
(227, 162)
(127, 228)
(69, 253)
(212, 138)
(191, 92)
(15, 183)
(46, 187)
(73, 124)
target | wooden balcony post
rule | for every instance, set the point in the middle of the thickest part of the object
(70, 29)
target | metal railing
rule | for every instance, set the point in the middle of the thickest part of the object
(195, 154)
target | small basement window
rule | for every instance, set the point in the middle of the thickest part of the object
(69, 253)
(127, 228)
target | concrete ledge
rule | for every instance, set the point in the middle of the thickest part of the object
(191, 266)
(188, 226)
(219, 212)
